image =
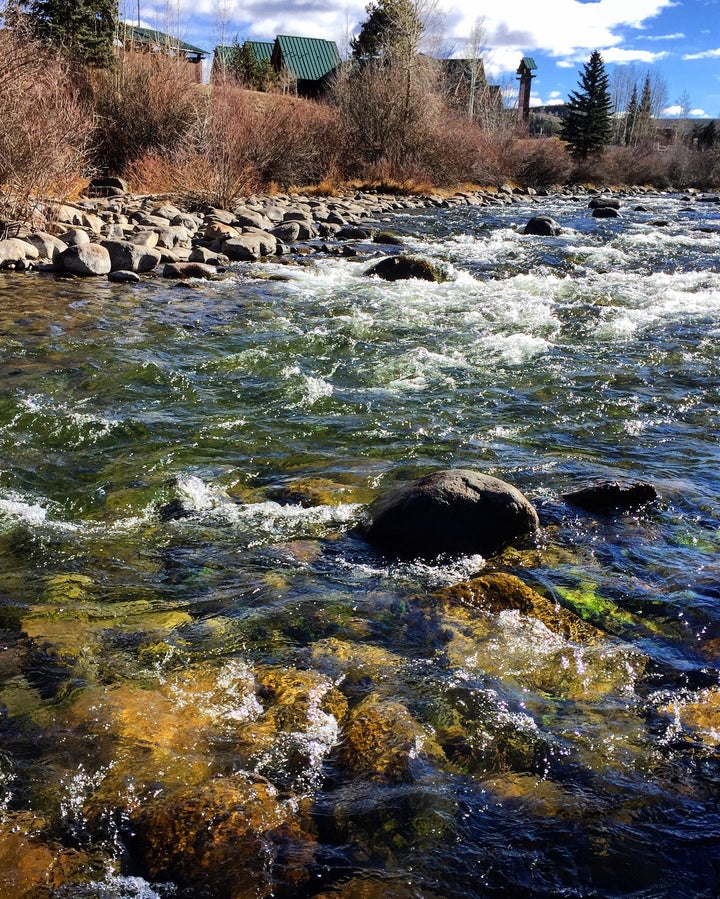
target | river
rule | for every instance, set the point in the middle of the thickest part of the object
(192, 632)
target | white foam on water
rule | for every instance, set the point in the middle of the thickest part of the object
(15, 508)
(69, 420)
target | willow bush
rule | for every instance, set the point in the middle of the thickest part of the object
(45, 126)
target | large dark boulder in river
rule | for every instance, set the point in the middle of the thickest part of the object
(458, 511)
(604, 203)
(543, 226)
(609, 496)
(605, 212)
(185, 270)
(402, 268)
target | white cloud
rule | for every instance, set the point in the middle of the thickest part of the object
(677, 110)
(706, 54)
(571, 29)
(512, 29)
(618, 55)
(678, 36)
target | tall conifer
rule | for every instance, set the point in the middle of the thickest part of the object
(588, 126)
(83, 29)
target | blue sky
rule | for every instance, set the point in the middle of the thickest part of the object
(677, 41)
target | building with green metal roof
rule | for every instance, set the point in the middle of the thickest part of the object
(310, 62)
(306, 64)
(136, 39)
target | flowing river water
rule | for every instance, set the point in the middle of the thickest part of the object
(210, 686)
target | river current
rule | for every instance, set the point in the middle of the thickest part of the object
(191, 630)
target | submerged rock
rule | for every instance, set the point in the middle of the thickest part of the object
(543, 226)
(382, 741)
(401, 268)
(609, 496)
(310, 492)
(232, 836)
(457, 511)
(500, 592)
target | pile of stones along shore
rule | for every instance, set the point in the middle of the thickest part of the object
(113, 233)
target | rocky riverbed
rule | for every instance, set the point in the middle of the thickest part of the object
(257, 635)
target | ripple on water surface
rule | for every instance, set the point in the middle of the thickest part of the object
(202, 657)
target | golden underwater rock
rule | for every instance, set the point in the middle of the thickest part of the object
(32, 867)
(383, 741)
(321, 492)
(498, 592)
(232, 835)
(497, 625)
(701, 717)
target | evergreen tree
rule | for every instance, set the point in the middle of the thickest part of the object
(246, 67)
(392, 26)
(644, 125)
(631, 115)
(705, 135)
(588, 126)
(83, 29)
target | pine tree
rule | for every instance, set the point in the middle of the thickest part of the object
(83, 29)
(631, 115)
(588, 126)
(245, 66)
(644, 126)
(391, 26)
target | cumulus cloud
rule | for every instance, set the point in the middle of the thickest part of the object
(512, 29)
(706, 54)
(619, 55)
(677, 110)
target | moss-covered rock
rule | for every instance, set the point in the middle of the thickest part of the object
(499, 592)
(232, 835)
(382, 741)
(403, 268)
(310, 492)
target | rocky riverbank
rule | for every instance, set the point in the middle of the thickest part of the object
(123, 236)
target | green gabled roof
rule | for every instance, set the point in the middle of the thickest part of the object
(306, 58)
(221, 55)
(150, 36)
(528, 62)
(262, 49)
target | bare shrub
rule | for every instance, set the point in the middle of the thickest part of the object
(542, 162)
(639, 164)
(387, 114)
(146, 104)
(498, 157)
(44, 126)
(244, 141)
